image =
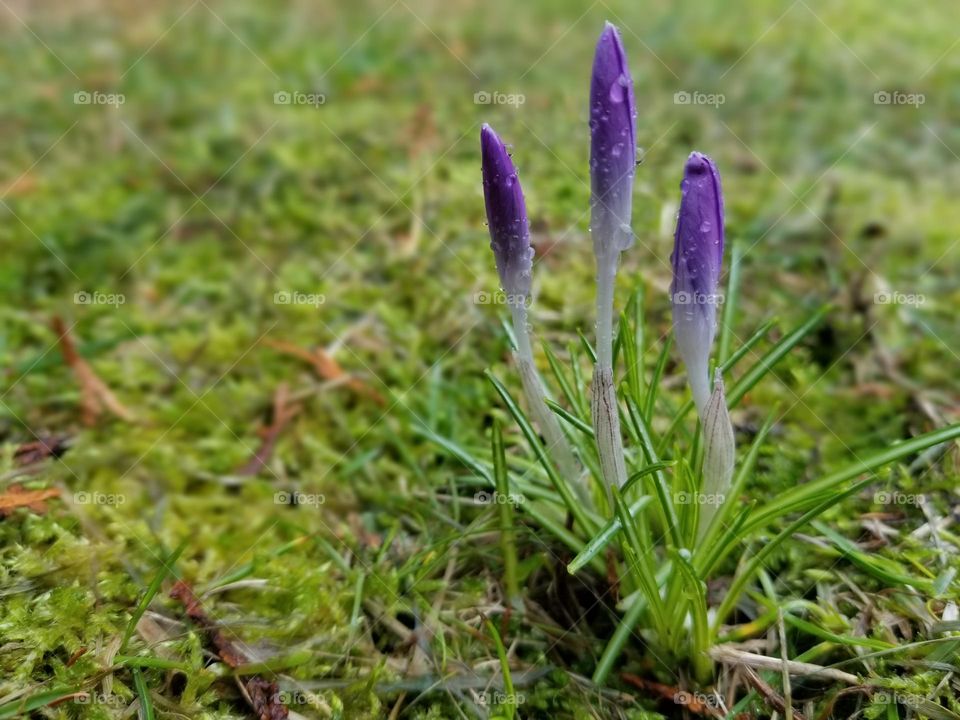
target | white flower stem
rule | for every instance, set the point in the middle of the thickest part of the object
(558, 446)
(603, 406)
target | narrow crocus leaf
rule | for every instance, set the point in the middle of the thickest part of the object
(506, 217)
(613, 145)
(718, 455)
(697, 257)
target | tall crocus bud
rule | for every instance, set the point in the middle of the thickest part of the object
(613, 151)
(613, 146)
(697, 256)
(510, 242)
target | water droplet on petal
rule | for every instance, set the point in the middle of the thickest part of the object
(616, 92)
(705, 226)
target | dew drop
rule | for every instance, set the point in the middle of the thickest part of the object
(705, 226)
(617, 92)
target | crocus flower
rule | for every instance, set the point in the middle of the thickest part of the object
(506, 217)
(613, 151)
(613, 145)
(697, 256)
(510, 242)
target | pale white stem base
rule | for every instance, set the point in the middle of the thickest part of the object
(558, 447)
(603, 405)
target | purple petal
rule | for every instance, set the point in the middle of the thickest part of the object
(613, 145)
(698, 250)
(506, 215)
(697, 257)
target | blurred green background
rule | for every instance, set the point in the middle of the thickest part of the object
(161, 198)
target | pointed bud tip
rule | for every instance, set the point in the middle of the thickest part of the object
(699, 164)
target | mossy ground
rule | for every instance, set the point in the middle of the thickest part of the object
(198, 199)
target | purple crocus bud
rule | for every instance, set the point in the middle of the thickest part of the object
(506, 217)
(697, 257)
(613, 145)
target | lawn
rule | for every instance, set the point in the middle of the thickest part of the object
(256, 363)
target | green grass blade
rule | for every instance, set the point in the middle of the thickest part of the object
(561, 377)
(573, 420)
(458, 452)
(696, 591)
(573, 505)
(507, 546)
(774, 355)
(744, 576)
(730, 303)
(847, 640)
(603, 538)
(801, 496)
(658, 371)
(638, 563)
(166, 567)
(659, 481)
(510, 706)
(25, 706)
(146, 705)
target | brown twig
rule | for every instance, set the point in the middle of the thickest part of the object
(283, 413)
(263, 695)
(326, 367)
(690, 701)
(769, 695)
(17, 497)
(95, 395)
(33, 452)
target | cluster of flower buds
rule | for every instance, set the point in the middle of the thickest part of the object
(696, 259)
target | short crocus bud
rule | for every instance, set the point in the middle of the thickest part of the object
(506, 217)
(613, 145)
(697, 256)
(718, 453)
